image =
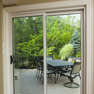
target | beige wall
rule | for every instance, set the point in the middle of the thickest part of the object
(1, 82)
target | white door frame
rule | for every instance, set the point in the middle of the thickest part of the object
(19, 11)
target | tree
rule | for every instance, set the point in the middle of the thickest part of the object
(28, 34)
(24, 29)
(76, 41)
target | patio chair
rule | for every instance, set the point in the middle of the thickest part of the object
(71, 74)
(38, 59)
(49, 58)
(40, 67)
(70, 59)
(64, 69)
(50, 71)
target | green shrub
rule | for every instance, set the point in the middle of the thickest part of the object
(78, 54)
(66, 51)
(56, 56)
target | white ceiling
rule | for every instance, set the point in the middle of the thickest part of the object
(9, 2)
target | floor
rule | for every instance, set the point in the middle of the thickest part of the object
(27, 83)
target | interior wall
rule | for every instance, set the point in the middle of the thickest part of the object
(1, 76)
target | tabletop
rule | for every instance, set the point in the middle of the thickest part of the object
(58, 63)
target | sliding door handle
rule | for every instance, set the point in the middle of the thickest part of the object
(11, 59)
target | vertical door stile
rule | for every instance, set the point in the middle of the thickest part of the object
(44, 47)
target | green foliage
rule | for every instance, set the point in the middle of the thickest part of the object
(66, 51)
(76, 41)
(28, 35)
(50, 51)
(56, 56)
(24, 29)
(32, 47)
(78, 54)
(57, 36)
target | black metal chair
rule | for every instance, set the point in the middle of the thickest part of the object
(38, 59)
(70, 59)
(49, 67)
(49, 71)
(64, 69)
(71, 74)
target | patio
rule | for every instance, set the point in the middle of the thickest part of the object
(27, 83)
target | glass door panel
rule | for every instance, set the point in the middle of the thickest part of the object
(28, 53)
(63, 53)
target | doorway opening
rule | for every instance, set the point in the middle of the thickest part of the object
(63, 53)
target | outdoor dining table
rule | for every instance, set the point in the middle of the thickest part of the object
(58, 63)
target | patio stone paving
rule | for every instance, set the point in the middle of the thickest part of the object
(28, 83)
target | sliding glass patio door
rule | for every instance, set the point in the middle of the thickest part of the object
(47, 52)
